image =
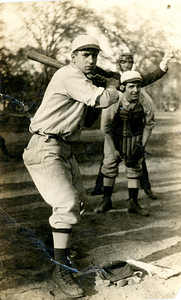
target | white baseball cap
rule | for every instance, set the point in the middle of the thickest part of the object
(85, 41)
(130, 76)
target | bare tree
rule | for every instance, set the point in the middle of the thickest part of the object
(50, 26)
(143, 36)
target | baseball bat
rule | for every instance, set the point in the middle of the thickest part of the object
(43, 59)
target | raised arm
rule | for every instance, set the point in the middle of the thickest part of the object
(159, 72)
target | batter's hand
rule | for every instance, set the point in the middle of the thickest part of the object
(97, 80)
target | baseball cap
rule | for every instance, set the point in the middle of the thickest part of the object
(130, 76)
(85, 41)
(126, 55)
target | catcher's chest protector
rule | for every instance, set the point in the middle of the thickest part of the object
(130, 122)
(127, 128)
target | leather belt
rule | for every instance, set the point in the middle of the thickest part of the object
(52, 136)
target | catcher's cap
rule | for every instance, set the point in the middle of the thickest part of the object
(125, 55)
(116, 270)
(85, 41)
(130, 76)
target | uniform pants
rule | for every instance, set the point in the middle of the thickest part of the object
(144, 179)
(111, 163)
(54, 170)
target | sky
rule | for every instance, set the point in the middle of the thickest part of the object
(167, 11)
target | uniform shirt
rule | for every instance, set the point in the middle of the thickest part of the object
(109, 113)
(64, 103)
(93, 114)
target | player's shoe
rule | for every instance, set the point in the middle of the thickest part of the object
(63, 277)
(135, 208)
(97, 191)
(106, 205)
(150, 194)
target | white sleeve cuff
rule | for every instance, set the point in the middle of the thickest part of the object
(163, 66)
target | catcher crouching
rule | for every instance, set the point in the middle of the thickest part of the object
(127, 126)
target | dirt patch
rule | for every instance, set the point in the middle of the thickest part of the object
(25, 239)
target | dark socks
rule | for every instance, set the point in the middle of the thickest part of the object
(108, 190)
(61, 238)
(133, 194)
(99, 180)
(61, 255)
